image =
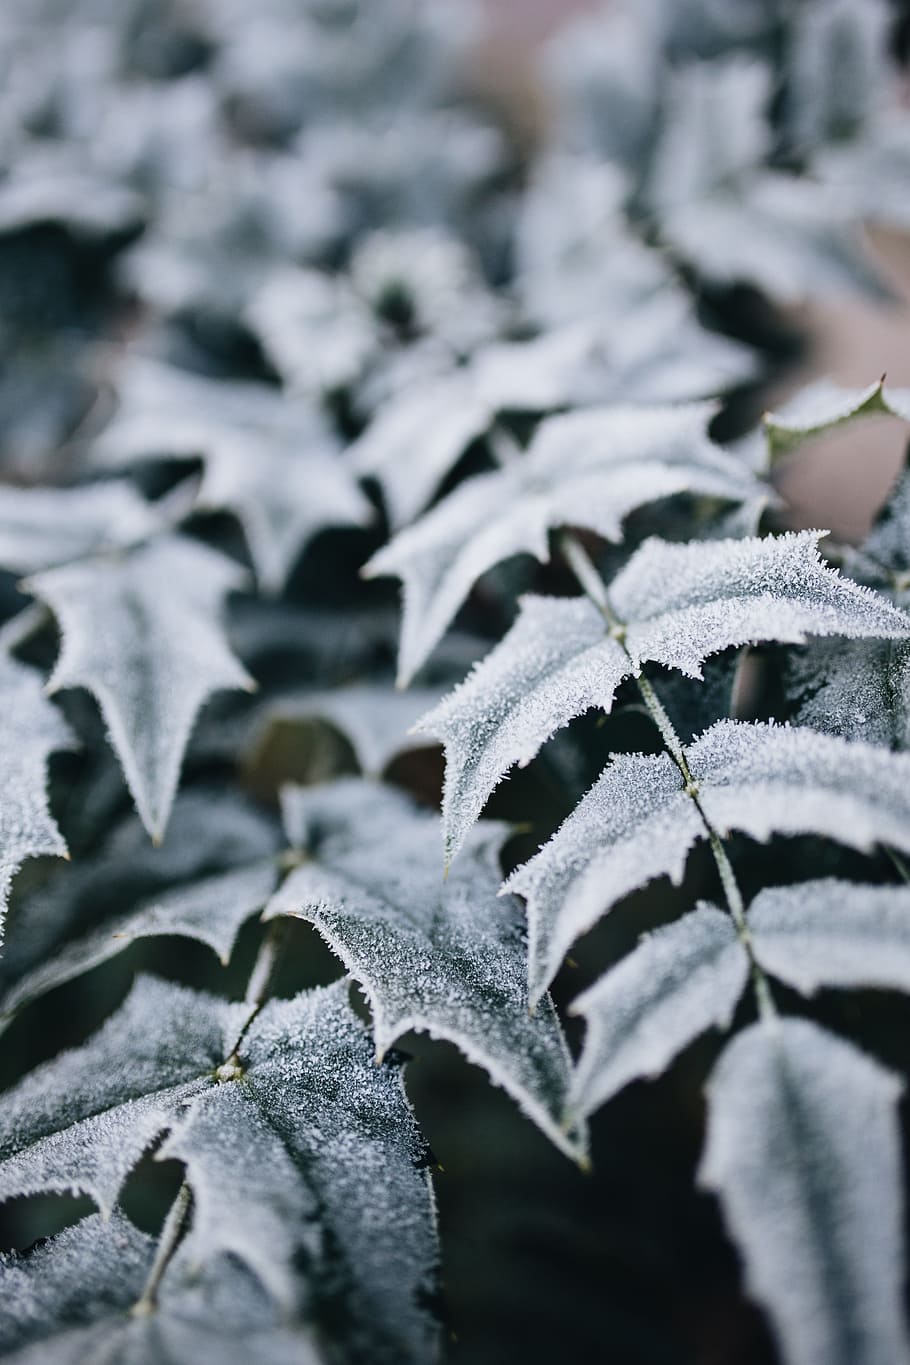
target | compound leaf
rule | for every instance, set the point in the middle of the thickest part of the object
(587, 469)
(444, 957)
(803, 1150)
(833, 933)
(673, 604)
(141, 634)
(638, 822)
(679, 981)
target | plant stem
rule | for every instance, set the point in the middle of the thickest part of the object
(167, 1245)
(592, 584)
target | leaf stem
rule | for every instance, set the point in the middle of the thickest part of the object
(167, 1245)
(592, 584)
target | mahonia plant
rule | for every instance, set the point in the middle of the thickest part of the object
(286, 307)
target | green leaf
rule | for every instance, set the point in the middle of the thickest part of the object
(803, 1150)
(142, 634)
(825, 406)
(680, 981)
(444, 957)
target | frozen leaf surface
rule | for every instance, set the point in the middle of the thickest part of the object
(41, 527)
(587, 469)
(142, 634)
(680, 981)
(833, 933)
(73, 1295)
(267, 458)
(637, 822)
(295, 1143)
(857, 691)
(210, 910)
(803, 1150)
(444, 957)
(673, 604)
(32, 729)
(82, 1121)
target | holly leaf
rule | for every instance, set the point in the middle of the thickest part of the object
(825, 406)
(833, 933)
(441, 957)
(42, 527)
(639, 820)
(672, 604)
(803, 1149)
(857, 691)
(253, 1099)
(31, 729)
(141, 634)
(680, 981)
(587, 469)
(77, 1297)
(267, 458)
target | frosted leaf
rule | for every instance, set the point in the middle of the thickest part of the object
(678, 604)
(680, 981)
(73, 1295)
(31, 729)
(683, 603)
(249, 1199)
(444, 957)
(416, 439)
(803, 1150)
(316, 332)
(823, 406)
(40, 527)
(268, 459)
(833, 933)
(142, 634)
(82, 1121)
(588, 469)
(659, 354)
(212, 831)
(313, 1130)
(859, 691)
(347, 1125)
(556, 662)
(210, 910)
(376, 721)
(773, 779)
(91, 1270)
(791, 237)
(637, 822)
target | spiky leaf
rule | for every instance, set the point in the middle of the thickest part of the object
(313, 1109)
(803, 1150)
(32, 729)
(674, 604)
(680, 981)
(441, 956)
(587, 469)
(639, 822)
(142, 634)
